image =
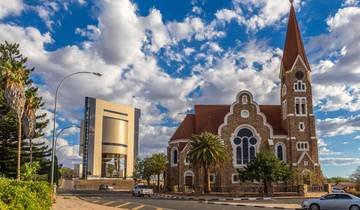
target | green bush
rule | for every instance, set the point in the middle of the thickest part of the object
(24, 195)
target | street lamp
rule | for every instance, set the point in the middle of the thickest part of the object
(54, 119)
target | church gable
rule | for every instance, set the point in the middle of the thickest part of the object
(245, 113)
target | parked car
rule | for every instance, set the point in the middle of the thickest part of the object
(105, 187)
(337, 190)
(333, 201)
(142, 190)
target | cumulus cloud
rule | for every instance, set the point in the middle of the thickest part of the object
(255, 14)
(338, 126)
(13, 7)
(339, 161)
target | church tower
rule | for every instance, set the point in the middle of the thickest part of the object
(297, 106)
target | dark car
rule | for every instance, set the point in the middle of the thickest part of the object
(105, 187)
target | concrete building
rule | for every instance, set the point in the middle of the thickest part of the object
(109, 139)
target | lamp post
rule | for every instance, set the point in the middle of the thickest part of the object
(54, 118)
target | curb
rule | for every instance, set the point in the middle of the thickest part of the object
(210, 199)
(239, 204)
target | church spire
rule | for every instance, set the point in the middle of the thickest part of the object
(293, 43)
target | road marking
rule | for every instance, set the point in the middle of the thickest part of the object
(139, 207)
(107, 203)
(124, 204)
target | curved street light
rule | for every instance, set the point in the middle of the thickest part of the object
(54, 118)
(59, 133)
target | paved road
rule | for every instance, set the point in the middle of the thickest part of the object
(126, 201)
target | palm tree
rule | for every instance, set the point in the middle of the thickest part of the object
(13, 76)
(29, 119)
(207, 150)
(159, 164)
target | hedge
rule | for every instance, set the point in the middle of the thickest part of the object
(21, 195)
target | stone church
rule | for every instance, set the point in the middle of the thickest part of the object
(288, 130)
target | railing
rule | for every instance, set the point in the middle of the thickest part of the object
(315, 188)
(285, 188)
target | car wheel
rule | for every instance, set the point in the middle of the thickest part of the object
(354, 207)
(314, 207)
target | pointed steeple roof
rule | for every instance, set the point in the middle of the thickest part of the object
(293, 43)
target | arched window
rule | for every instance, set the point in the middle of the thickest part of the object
(299, 86)
(174, 156)
(245, 144)
(280, 151)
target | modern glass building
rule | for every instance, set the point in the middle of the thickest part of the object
(109, 139)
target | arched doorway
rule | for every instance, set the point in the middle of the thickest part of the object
(189, 179)
(306, 177)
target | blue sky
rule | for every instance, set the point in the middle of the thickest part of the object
(164, 56)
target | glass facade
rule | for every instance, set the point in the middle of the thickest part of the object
(113, 166)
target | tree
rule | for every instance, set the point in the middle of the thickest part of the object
(33, 102)
(159, 166)
(67, 173)
(266, 168)
(207, 150)
(13, 77)
(138, 170)
(338, 179)
(9, 120)
(356, 177)
(29, 171)
(148, 169)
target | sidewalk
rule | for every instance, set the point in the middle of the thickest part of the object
(73, 202)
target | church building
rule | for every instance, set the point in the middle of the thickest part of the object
(288, 130)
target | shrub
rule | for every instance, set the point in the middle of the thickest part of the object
(23, 195)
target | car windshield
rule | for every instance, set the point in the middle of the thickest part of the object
(143, 187)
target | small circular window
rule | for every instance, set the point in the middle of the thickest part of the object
(237, 141)
(299, 75)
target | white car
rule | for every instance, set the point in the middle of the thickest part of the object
(333, 201)
(142, 190)
(337, 190)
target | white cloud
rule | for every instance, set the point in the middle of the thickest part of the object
(91, 31)
(224, 78)
(338, 126)
(12, 7)
(193, 27)
(321, 143)
(339, 161)
(256, 14)
(351, 2)
(326, 151)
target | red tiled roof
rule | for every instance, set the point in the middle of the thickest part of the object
(186, 128)
(210, 117)
(293, 43)
(273, 117)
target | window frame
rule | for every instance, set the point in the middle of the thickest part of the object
(214, 179)
(173, 149)
(235, 181)
(299, 86)
(284, 110)
(303, 126)
(300, 106)
(283, 150)
(302, 146)
(240, 145)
